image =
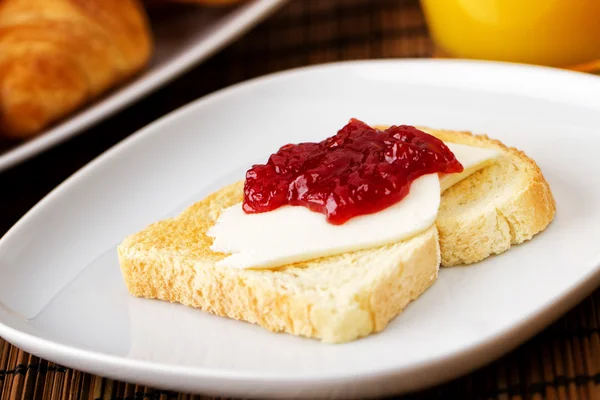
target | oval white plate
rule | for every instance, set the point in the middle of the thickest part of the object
(63, 297)
(199, 33)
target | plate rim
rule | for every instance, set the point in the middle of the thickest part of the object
(435, 369)
(239, 21)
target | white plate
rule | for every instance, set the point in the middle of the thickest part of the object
(182, 39)
(64, 298)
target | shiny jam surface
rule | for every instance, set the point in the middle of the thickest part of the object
(360, 170)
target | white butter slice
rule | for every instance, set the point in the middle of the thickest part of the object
(294, 233)
(472, 159)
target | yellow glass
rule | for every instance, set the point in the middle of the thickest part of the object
(558, 33)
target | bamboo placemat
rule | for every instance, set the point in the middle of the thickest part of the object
(563, 362)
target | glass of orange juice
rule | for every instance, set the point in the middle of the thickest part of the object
(557, 33)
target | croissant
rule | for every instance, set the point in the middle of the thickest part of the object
(56, 55)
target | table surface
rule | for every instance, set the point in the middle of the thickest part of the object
(562, 362)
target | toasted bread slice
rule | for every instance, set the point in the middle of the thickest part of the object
(501, 205)
(336, 299)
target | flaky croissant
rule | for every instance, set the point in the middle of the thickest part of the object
(56, 55)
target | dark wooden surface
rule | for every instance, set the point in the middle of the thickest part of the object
(563, 362)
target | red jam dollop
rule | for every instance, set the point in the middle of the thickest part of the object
(360, 170)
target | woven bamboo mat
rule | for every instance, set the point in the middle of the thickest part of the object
(563, 362)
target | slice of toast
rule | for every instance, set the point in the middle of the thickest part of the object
(500, 205)
(335, 299)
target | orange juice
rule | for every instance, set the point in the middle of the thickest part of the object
(560, 33)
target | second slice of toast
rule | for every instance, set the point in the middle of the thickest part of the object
(498, 206)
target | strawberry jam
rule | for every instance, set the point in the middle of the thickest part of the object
(360, 170)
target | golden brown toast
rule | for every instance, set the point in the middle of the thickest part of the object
(347, 296)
